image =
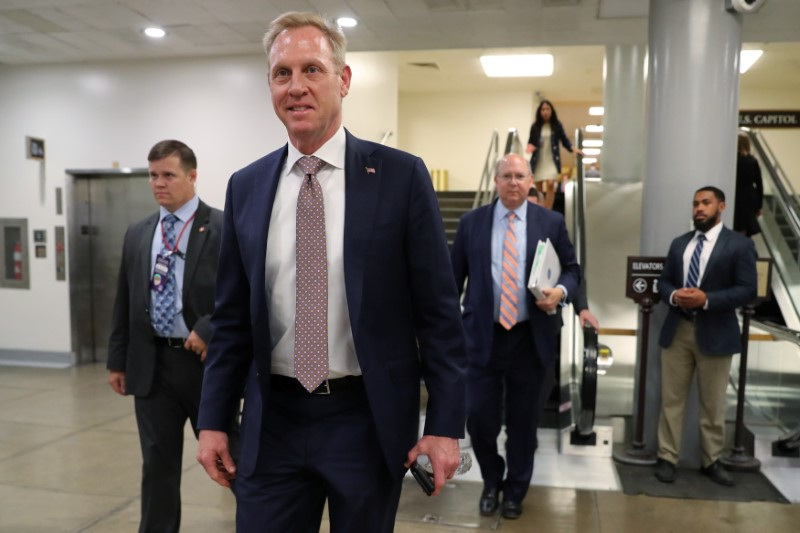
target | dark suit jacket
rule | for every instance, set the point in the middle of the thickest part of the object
(131, 347)
(472, 259)
(729, 281)
(401, 297)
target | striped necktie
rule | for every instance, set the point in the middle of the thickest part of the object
(311, 293)
(508, 275)
(693, 278)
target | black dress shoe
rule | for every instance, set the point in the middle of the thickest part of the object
(665, 471)
(511, 510)
(718, 474)
(489, 501)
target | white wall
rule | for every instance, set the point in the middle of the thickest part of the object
(452, 131)
(94, 114)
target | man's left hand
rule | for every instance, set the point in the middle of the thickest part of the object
(197, 345)
(444, 454)
(552, 297)
(689, 298)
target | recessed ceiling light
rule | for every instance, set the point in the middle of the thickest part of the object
(518, 66)
(592, 143)
(591, 151)
(747, 58)
(154, 32)
(594, 128)
(346, 22)
(597, 110)
(589, 160)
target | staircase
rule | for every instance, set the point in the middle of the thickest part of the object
(453, 204)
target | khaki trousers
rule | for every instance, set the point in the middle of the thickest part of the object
(678, 363)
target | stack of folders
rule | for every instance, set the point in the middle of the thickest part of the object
(545, 271)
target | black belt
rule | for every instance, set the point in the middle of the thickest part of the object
(289, 384)
(171, 342)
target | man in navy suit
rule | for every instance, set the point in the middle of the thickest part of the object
(511, 337)
(379, 254)
(709, 272)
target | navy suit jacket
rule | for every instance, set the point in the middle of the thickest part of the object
(729, 281)
(131, 346)
(472, 260)
(402, 301)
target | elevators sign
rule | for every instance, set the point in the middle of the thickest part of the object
(642, 279)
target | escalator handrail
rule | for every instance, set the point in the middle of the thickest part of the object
(786, 197)
(488, 169)
(778, 331)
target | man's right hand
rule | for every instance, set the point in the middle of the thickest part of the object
(117, 381)
(214, 455)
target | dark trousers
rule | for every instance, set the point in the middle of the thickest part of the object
(507, 390)
(161, 417)
(313, 448)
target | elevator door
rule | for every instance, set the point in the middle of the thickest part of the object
(104, 204)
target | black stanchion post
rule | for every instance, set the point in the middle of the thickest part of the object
(738, 458)
(637, 454)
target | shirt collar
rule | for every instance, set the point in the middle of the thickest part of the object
(501, 211)
(712, 234)
(184, 212)
(332, 152)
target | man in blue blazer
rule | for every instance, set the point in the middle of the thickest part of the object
(511, 337)
(709, 272)
(380, 261)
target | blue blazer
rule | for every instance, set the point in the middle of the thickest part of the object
(472, 260)
(402, 301)
(729, 281)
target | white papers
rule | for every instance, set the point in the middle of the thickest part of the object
(545, 271)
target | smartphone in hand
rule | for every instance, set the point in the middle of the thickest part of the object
(424, 478)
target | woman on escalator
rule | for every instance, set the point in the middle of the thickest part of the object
(543, 145)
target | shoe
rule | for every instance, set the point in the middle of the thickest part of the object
(511, 510)
(489, 501)
(665, 471)
(718, 474)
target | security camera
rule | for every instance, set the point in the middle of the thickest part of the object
(744, 6)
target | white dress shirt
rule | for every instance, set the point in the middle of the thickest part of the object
(712, 236)
(281, 262)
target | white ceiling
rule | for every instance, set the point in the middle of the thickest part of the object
(449, 33)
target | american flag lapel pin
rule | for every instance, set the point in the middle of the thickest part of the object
(202, 229)
(370, 170)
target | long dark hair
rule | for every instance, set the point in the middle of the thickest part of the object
(536, 130)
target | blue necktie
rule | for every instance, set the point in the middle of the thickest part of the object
(164, 300)
(693, 278)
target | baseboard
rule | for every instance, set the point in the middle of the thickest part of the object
(35, 358)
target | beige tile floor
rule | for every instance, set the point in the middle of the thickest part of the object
(69, 462)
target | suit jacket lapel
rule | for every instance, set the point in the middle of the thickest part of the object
(719, 248)
(362, 178)
(145, 247)
(484, 244)
(197, 239)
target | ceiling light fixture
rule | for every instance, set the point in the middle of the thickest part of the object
(591, 151)
(154, 32)
(594, 128)
(346, 22)
(589, 160)
(518, 66)
(592, 143)
(597, 111)
(747, 58)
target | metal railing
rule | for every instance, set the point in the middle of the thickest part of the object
(485, 192)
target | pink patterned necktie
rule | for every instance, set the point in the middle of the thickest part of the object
(508, 277)
(311, 297)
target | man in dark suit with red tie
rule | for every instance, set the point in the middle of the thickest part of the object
(334, 297)
(708, 274)
(511, 338)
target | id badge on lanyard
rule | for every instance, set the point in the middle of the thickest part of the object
(160, 272)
